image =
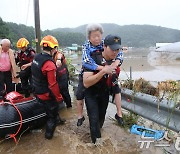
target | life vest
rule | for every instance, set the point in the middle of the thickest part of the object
(26, 56)
(39, 80)
(98, 58)
(101, 85)
(62, 71)
(109, 80)
(113, 79)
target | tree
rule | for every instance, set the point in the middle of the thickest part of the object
(4, 30)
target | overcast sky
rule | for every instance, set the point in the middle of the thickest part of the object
(72, 13)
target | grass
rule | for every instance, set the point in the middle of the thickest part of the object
(129, 120)
(71, 68)
(169, 90)
(140, 85)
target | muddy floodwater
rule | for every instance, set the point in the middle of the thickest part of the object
(147, 64)
(70, 139)
(150, 65)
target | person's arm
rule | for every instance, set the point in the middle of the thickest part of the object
(13, 63)
(16, 57)
(115, 84)
(32, 55)
(53, 85)
(23, 67)
(87, 61)
(89, 78)
(49, 69)
(119, 58)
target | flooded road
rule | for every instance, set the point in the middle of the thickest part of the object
(70, 139)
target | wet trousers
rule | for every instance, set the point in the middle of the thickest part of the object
(51, 108)
(26, 80)
(64, 90)
(96, 105)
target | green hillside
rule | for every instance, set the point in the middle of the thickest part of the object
(132, 35)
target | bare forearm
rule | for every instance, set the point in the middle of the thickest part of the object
(118, 104)
(29, 64)
(90, 79)
(93, 79)
(118, 98)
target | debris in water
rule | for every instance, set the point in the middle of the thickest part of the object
(36, 131)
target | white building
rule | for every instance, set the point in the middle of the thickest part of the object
(161, 44)
(169, 47)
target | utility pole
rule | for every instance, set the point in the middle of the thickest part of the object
(37, 25)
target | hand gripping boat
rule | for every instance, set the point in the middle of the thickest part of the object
(18, 114)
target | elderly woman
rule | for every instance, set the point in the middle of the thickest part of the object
(7, 66)
(92, 45)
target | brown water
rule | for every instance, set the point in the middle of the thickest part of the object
(70, 139)
(149, 66)
(145, 65)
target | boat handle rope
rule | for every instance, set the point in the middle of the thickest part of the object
(20, 125)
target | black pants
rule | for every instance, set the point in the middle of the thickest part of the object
(51, 107)
(66, 96)
(6, 78)
(80, 89)
(64, 90)
(26, 79)
(96, 108)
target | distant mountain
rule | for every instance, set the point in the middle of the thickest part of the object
(133, 35)
(15, 31)
(66, 38)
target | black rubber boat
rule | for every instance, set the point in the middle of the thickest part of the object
(18, 114)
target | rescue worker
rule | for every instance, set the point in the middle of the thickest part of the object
(63, 77)
(45, 85)
(97, 85)
(24, 60)
(92, 45)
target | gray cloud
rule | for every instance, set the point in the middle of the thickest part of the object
(72, 13)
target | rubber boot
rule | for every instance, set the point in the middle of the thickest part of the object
(60, 121)
(50, 128)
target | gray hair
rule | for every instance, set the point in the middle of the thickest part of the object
(93, 27)
(3, 41)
